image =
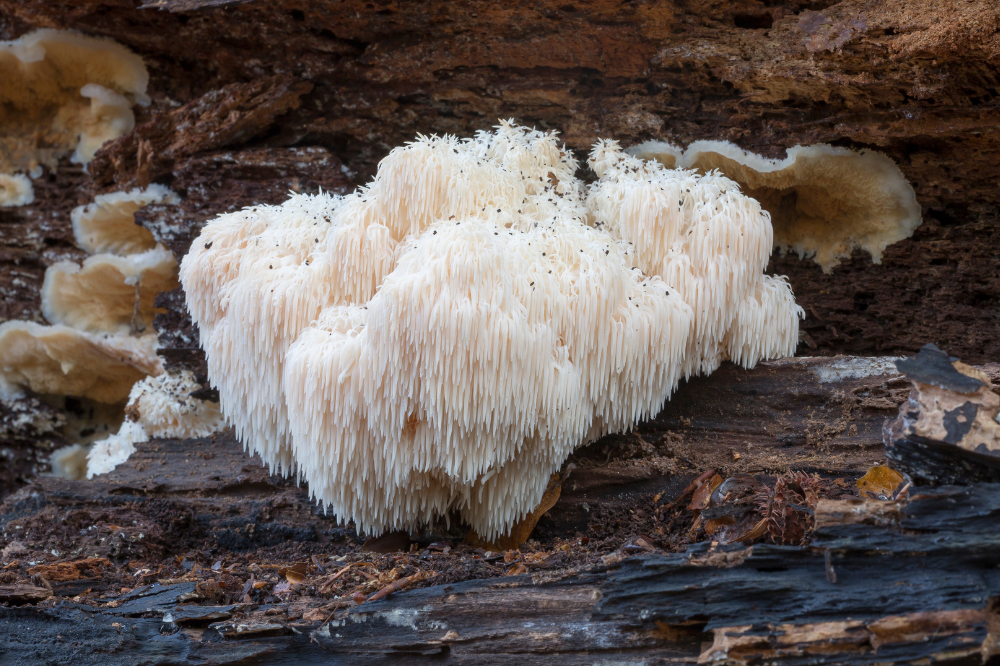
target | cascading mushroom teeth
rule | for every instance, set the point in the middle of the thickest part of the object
(443, 338)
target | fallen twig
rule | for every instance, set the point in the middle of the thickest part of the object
(340, 573)
(693, 486)
(400, 584)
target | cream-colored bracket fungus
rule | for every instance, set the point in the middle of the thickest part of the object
(63, 92)
(59, 360)
(108, 224)
(443, 338)
(824, 201)
(108, 293)
(15, 190)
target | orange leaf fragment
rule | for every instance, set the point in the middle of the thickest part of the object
(882, 482)
(703, 493)
(295, 574)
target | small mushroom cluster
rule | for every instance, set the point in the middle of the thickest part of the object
(441, 339)
(100, 345)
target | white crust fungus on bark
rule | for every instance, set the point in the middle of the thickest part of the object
(824, 201)
(64, 92)
(443, 338)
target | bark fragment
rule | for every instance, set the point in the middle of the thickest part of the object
(231, 115)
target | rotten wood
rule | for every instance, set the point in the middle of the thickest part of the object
(251, 99)
(175, 498)
(231, 115)
(815, 415)
(917, 586)
(948, 431)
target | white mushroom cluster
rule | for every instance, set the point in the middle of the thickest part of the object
(443, 338)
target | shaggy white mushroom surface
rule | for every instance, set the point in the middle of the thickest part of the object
(157, 407)
(443, 338)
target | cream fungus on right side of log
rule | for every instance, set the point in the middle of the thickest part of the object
(443, 338)
(824, 201)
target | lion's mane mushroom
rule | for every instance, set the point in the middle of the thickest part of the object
(824, 200)
(65, 92)
(108, 293)
(706, 240)
(15, 190)
(107, 225)
(443, 338)
(157, 407)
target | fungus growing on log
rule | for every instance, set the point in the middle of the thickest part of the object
(65, 92)
(93, 350)
(108, 224)
(69, 462)
(824, 201)
(443, 338)
(60, 360)
(709, 242)
(108, 293)
(15, 190)
(157, 407)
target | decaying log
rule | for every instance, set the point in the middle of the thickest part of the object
(816, 415)
(918, 587)
(949, 429)
(888, 581)
(252, 99)
(231, 115)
